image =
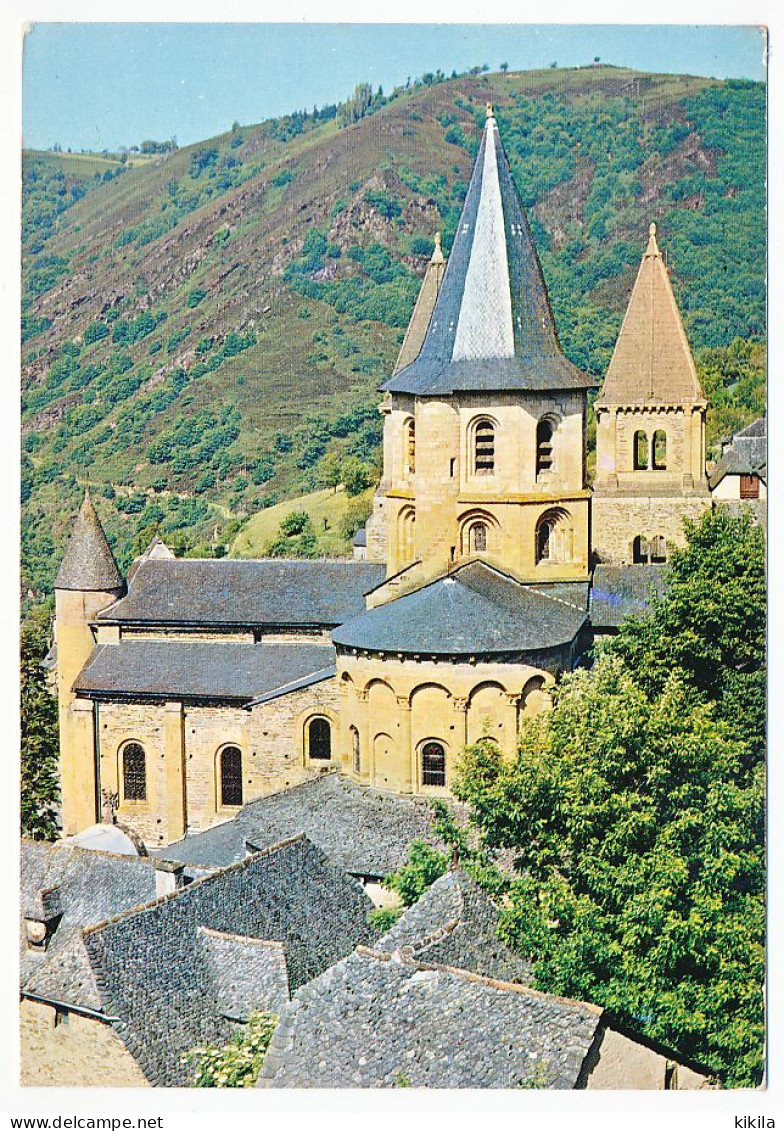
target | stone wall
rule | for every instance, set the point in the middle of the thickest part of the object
(78, 1052)
(617, 520)
(622, 1063)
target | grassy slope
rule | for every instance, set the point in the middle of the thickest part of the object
(326, 504)
(235, 246)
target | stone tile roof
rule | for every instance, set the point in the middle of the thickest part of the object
(85, 886)
(155, 974)
(201, 670)
(244, 593)
(248, 974)
(423, 311)
(652, 361)
(363, 831)
(475, 610)
(621, 591)
(456, 924)
(747, 454)
(89, 563)
(492, 327)
(375, 1019)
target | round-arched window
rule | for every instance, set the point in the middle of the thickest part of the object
(134, 772)
(484, 447)
(230, 777)
(433, 764)
(477, 538)
(320, 739)
(544, 446)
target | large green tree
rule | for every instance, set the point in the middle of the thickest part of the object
(636, 810)
(40, 788)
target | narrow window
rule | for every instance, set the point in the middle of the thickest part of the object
(433, 764)
(134, 773)
(640, 451)
(639, 550)
(544, 541)
(659, 450)
(231, 776)
(749, 487)
(407, 535)
(411, 447)
(484, 448)
(658, 549)
(544, 446)
(320, 739)
(355, 749)
(478, 538)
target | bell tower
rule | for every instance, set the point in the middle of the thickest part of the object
(650, 428)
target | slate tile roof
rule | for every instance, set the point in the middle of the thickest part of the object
(619, 591)
(455, 923)
(376, 1018)
(363, 831)
(156, 975)
(201, 670)
(652, 362)
(247, 974)
(492, 327)
(747, 454)
(242, 593)
(475, 610)
(88, 564)
(88, 886)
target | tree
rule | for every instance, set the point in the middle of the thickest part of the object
(504, 67)
(636, 812)
(355, 476)
(40, 787)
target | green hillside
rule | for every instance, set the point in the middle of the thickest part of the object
(204, 332)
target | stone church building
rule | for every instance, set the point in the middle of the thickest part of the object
(191, 687)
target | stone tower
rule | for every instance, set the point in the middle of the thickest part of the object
(484, 431)
(87, 582)
(650, 428)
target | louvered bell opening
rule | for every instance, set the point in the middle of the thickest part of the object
(544, 447)
(484, 449)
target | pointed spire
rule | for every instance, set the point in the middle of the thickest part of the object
(88, 564)
(652, 361)
(423, 311)
(492, 326)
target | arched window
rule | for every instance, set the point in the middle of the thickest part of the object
(484, 447)
(407, 529)
(320, 739)
(544, 446)
(640, 550)
(658, 548)
(544, 540)
(355, 752)
(659, 450)
(410, 433)
(134, 769)
(230, 776)
(477, 538)
(433, 764)
(640, 451)
(554, 537)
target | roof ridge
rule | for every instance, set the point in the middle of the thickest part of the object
(273, 944)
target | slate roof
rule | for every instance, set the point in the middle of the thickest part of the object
(456, 924)
(89, 563)
(201, 670)
(620, 591)
(652, 361)
(747, 454)
(247, 974)
(475, 610)
(237, 592)
(86, 886)
(362, 831)
(156, 975)
(492, 327)
(377, 1018)
(423, 311)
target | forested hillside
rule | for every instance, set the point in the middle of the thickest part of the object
(204, 332)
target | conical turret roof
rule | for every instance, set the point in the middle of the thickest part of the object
(492, 327)
(89, 564)
(652, 361)
(423, 311)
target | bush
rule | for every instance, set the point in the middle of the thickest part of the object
(236, 1064)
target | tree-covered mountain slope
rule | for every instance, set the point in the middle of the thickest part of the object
(204, 332)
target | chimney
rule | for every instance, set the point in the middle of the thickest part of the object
(169, 877)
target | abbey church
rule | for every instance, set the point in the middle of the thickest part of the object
(191, 687)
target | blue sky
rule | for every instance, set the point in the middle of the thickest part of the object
(96, 86)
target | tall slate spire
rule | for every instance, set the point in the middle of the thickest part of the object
(652, 361)
(492, 327)
(89, 564)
